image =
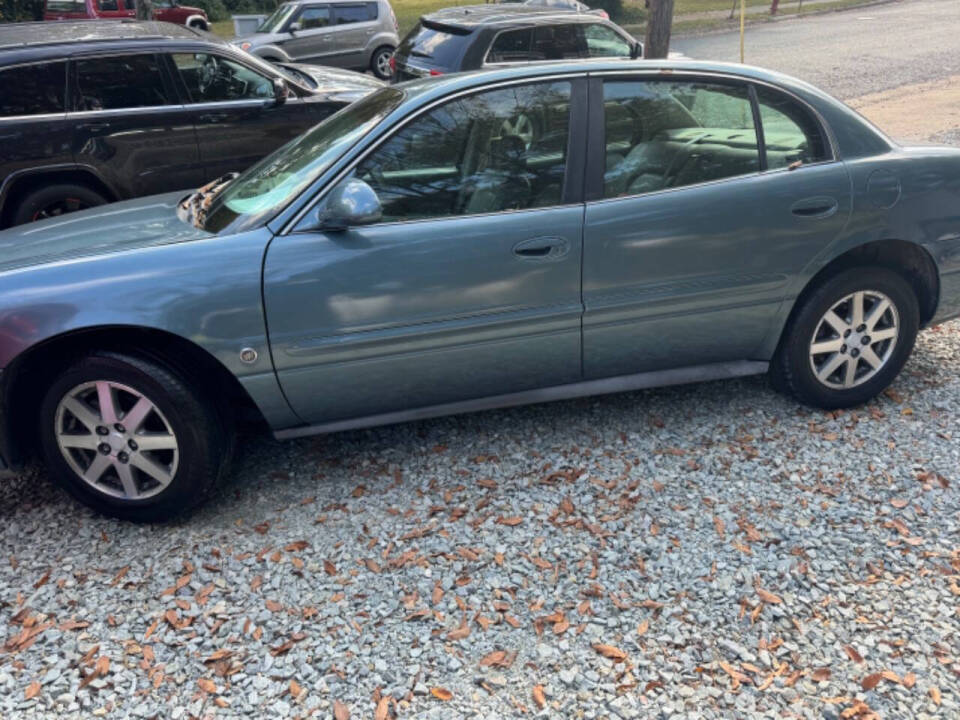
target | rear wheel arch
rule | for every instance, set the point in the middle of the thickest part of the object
(27, 377)
(23, 185)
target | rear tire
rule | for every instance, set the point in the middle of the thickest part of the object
(55, 200)
(849, 339)
(133, 438)
(380, 62)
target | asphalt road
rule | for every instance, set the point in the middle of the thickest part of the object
(850, 53)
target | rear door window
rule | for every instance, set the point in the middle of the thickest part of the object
(354, 13)
(123, 81)
(791, 134)
(558, 42)
(512, 46)
(33, 89)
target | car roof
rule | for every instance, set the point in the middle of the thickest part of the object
(470, 17)
(22, 36)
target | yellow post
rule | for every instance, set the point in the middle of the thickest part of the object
(743, 15)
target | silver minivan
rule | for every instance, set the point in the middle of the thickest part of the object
(354, 34)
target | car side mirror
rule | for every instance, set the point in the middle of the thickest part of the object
(280, 91)
(294, 28)
(637, 50)
(350, 204)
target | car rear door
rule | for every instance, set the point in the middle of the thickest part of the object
(236, 116)
(468, 287)
(130, 126)
(354, 25)
(692, 232)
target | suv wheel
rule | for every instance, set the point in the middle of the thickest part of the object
(131, 437)
(380, 62)
(849, 339)
(55, 200)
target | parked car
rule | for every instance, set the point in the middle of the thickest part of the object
(354, 35)
(97, 111)
(573, 5)
(163, 10)
(489, 36)
(412, 256)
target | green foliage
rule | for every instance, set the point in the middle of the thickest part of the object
(14, 10)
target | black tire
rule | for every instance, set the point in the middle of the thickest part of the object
(791, 369)
(377, 63)
(53, 200)
(200, 427)
(199, 25)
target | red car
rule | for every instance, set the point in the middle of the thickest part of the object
(166, 10)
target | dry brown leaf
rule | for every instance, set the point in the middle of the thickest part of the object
(643, 627)
(329, 568)
(734, 673)
(459, 633)
(441, 693)
(510, 521)
(909, 680)
(891, 676)
(297, 546)
(609, 651)
(340, 711)
(566, 506)
(718, 524)
(935, 695)
(854, 655)
(494, 658)
(383, 708)
(33, 689)
(295, 689)
(899, 503)
(821, 674)
(768, 597)
(217, 655)
(538, 697)
(871, 681)
(207, 685)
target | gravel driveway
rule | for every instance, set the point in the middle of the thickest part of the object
(704, 551)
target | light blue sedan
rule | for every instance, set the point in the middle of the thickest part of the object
(476, 241)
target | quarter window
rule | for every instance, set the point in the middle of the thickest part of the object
(105, 83)
(512, 46)
(498, 150)
(605, 42)
(212, 78)
(314, 17)
(33, 89)
(790, 132)
(557, 42)
(663, 135)
(355, 13)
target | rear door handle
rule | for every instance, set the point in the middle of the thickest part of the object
(815, 207)
(542, 248)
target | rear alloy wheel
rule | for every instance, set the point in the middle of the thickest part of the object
(55, 200)
(131, 437)
(849, 339)
(380, 62)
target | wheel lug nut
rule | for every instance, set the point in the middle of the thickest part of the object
(101, 430)
(133, 445)
(847, 332)
(104, 448)
(855, 353)
(865, 339)
(843, 349)
(123, 457)
(861, 328)
(119, 428)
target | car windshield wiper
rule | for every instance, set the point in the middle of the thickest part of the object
(195, 206)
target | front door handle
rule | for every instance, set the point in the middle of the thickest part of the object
(542, 248)
(815, 207)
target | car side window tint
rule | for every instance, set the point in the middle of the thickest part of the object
(557, 42)
(494, 151)
(121, 81)
(33, 89)
(512, 46)
(70, 6)
(664, 134)
(355, 13)
(603, 41)
(790, 132)
(109, 5)
(314, 17)
(213, 78)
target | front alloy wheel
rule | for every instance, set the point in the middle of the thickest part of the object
(132, 436)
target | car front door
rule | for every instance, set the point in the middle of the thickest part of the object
(693, 232)
(237, 118)
(130, 126)
(313, 40)
(468, 287)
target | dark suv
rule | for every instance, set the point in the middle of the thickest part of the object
(95, 111)
(483, 36)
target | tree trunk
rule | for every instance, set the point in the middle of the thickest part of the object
(657, 41)
(773, 6)
(144, 10)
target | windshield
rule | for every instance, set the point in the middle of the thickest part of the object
(267, 187)
(277, 19)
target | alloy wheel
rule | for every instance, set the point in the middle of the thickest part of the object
(61, 207)
(854, 339)
(116, 440)
(383, 64)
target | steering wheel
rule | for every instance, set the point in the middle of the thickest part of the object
(207, 73)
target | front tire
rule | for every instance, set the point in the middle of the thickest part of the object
(55, 200)
(132, 438)
(380, 62)
(849, 339)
